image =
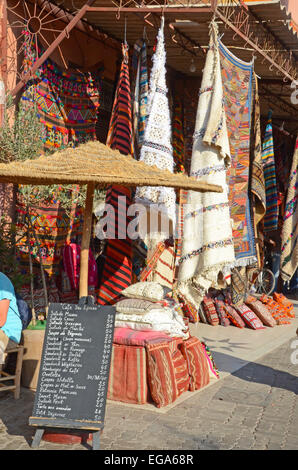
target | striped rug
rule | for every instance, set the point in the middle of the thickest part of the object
(271, 216)
(117, 271)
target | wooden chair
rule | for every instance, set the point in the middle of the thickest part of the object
(4, 376)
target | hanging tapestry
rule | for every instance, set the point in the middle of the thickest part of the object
(289, 246)
(157, 148)
(117, 271)
(178, 138)
(271, 216)
(67, 104)
(257, 182)
(257, 174)
(207, 245)
(141, 92)
(237, 86)
(51, 228)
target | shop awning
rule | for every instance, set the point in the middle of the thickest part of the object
(94, 162)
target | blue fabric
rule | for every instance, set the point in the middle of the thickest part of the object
(13, 325)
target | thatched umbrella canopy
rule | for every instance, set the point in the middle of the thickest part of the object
(94, 164)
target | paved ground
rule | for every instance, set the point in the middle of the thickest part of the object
(254, 408)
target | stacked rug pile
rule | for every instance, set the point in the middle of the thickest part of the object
(218, 309)
(154, 358)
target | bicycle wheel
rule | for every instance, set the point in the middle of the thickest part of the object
(265, 282)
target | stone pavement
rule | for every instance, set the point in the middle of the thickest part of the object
(254, 408)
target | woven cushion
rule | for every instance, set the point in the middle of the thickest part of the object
(285, 303)
(129, 337)
(278, 312)
(249, 317)
(233, 316)
(262, 313)
(135, 306)
(202, 315)
(223, 318)
(198, 368)
(161, 374)
(128, 379)
(210, 311)
(146, 290)
(163, 319)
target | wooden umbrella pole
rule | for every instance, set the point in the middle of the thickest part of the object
(85, 245)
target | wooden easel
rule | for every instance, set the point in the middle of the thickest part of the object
(40, 432)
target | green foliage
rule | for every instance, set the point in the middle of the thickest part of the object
(20, 139)
(9, 264)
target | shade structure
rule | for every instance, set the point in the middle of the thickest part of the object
(94, 162)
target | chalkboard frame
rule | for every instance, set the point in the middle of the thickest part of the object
(52, 423)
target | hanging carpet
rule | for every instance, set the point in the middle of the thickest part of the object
(67, 104)
(141, 92)
(157, 148)
(207, 245)
(289, 246)
(271, 216)
(117, 271)
(237, 85)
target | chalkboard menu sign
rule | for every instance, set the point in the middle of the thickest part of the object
(74, 372)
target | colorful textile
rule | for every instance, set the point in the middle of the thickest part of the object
(289, 245)
(189, 311)
(271, 216)
(285, 303)
(141, 92)
(257, 182)
(157, 148)
(262, 312)
(197, 364)
(237, 86)
(210, 311)
(163, 270)
(39, 298)
(207, 246)
(233, 316)
(120, 129)
(257, 173)
(52, 227)
(178, 138)
(71, 262)
(117, 271)
(67, 103)
(161, 374)
(249, 317)
(277, 310)
(128, 375)
(213, 370)
(130, 337)
(223, 318)
(238, 285)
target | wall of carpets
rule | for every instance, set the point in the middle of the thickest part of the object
(198, 270)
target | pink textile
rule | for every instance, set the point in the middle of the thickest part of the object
(130, 337)
(71, 262)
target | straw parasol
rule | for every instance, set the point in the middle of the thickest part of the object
(94, 164)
